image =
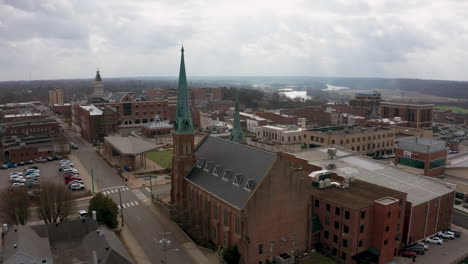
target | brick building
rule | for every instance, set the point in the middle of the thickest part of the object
(443, 116)
(62, 109)
(275, 118)
(369, 140)
(417, 115)
(95, 122)
(367, 102)
(426, 155)
(205, 96)
(280, 134)
(55, 97)
(316, 116)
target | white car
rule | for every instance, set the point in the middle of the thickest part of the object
(83, 214)
(434, 240)
(32, 176)
(423, 245)
(75, 181)
(447, 235)
(16, 173)
(20, 180)
(76, 186)
(73, 170)
(17, 184)
(15, 178)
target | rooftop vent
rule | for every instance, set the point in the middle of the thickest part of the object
(331, 166)
(332, 152)
(320, 175)
(238, 179)
(250, 185)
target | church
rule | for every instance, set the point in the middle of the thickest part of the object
(237, 194)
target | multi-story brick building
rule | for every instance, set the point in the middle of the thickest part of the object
(280, 134)
(317, 116)
(417, 115)
(369, 140)
(426, 155)
(55, 97)
(443, 116)
(367, 102)
(95, 122)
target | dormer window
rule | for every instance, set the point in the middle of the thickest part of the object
(200, 163)
(217, 170)
(208, 166)
(238, 179)
(250, 185)
(227, 175)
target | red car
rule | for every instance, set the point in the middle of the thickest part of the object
(408, 254)
(72, 179)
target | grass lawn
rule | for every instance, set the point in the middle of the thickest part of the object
(317, 258)
(162, 158)
(455, 109)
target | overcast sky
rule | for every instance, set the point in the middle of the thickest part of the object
(56, 39)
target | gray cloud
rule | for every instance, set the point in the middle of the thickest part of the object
(70, 38)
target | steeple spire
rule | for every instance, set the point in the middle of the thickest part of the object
(98, 76)
(183, 122)
(237, 135)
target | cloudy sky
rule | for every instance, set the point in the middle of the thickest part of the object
(56, 39)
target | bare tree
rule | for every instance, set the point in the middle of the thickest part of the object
(15, 205)
(55, 202)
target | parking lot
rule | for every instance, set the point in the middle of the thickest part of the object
(48, 172)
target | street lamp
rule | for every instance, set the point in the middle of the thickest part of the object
(165, 244)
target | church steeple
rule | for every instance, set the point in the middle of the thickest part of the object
(237, 135)
(98, 76)
(98, 85)
(183, 122)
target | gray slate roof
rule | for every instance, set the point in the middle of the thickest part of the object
(241, 159)
(130, 145)
(28, 243)
(107, 247)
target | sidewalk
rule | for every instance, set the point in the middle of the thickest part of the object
(188, 245)
(133, 247)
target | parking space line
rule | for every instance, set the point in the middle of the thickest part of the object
(123, 205)
(132, 203)
(136, 203)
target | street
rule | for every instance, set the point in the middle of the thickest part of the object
(460, 219)
(138, 218)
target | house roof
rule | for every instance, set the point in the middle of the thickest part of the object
(107, 247)
(253, 164)
(130, 145)
(27, 242)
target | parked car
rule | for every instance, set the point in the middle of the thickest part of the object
(32, 172)
(33, 181)
(41, 160)
(57, 157)
(417, 250)
(3, 167)
(29, 162)
(64, 160)
(73, 170)
(21, 163)
(11, 165)
(17, 184)
(20, 180)
(49, 158)
(434, 240)
(408, 254)
(446, 235)
(33, 167)
(73, 145)
(76, 186)
(75, 181)
(16, 173)
(421, 244)
(82, 214)
(454, 231)
(72, 179)
(33, 176)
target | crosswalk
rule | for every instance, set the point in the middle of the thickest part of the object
(129, 204)
(116, 190)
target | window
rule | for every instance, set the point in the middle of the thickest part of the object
(389, 214)
(136, 106)
(250, 185)
(326, 234)
(436, 163)
(237, 224)
(328, 207)
(343, 255)
(327, 221)
(337, 210)
(346, 214)
(272, 246)
(360, 243)
(226, 217)
(385, 242)
(238, 179)
(317, 203)
(227, 175)
(387, 228)
(419, 164)
(260, 249)
(215, 211)
(335, 238)
(345, 243)
(337, 225)
(208, 166)
(361, 229)
(346, 229)
(217, 170)
(363, 214)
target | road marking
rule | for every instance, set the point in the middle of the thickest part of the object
(123, 205)
(118, 206)
(147, 189)
(132, 203)
(139, 219)
(112, 191)
(136, 202)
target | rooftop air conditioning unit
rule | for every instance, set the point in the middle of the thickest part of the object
(332, 152)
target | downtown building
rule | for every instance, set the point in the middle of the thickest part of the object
(417, 115)
(274, 206)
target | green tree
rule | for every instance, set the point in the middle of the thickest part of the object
(231, 255)
(106, 210)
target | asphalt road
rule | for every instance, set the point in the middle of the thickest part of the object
(141, 222)
(460, 219)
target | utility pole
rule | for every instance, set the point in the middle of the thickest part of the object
(121, 208)
(92, 178)
(151, 187)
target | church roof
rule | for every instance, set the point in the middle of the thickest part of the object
(239, 169)
(98, 77)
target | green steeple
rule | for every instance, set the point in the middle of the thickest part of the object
(237, 135)
(183, 122)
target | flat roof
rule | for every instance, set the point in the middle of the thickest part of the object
(93, 110)
(405, 103)
(422, 145)
(130, 145)
(354, 129)
(419, 188)
(285, 128)
(360, 194)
